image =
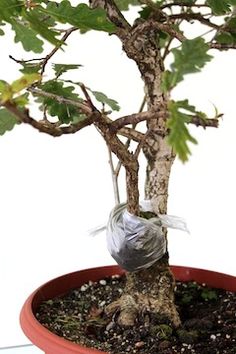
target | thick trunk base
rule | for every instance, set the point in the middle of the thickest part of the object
(148, 292)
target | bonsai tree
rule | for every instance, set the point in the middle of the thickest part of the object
(159, 44)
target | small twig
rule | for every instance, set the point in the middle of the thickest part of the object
(143, 104)
(55, 49)
(139, 135)
(88, 98)
(182, 3)
(114, 175)
(25, 61)
(45, 118)
(141, 143)
(167, 49)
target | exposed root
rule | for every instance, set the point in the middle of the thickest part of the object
(147, 293)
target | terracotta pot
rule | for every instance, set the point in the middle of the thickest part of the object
(52, 344)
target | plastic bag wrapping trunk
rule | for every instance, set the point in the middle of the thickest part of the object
(137, 243)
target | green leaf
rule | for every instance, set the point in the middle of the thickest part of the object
(101, 97)
(225, 38)
(30, 68)
(9, 9)
(124, 5)
(220, 7)
(63, 68)
(7, 121)
(27, 37)
(3, 85)
(66, 113)
(179, 136)
(78, 118)
(6, 92)
(190, 58)
(24, 82)
(80, 16)
(22, 100)
(169, 80)
(37, 23)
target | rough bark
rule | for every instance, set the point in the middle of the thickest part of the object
(149, 291)
(152, 289)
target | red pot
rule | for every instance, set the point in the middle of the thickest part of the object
(52, 344)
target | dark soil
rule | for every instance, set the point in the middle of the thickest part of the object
(208, 321)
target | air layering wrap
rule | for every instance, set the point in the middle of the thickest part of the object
(137, 243)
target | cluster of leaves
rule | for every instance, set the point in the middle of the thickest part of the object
(32, 25)
(13, 93)
(65, 113)
(68, 113)
(100, 97)
(190, 58)
(37, 20)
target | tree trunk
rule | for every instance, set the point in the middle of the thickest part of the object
(151, 290)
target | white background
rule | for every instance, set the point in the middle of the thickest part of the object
(54, 189)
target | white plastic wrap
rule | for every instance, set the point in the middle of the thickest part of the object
(136, 243)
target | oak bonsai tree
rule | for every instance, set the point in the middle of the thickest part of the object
(159, 44)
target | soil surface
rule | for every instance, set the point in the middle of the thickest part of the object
(208, 321)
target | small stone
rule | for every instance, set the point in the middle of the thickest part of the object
(139, 344)
(103, 282)
(227, 336)
(83, 288)
(213, 337)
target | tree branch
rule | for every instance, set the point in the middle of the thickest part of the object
(113, 12)
(47, 127)
(195, 16)
(134, 119)
(80, 105)
(182, 3)
(55, 49)
(209, 122)
(221, 46)
(152, 24)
